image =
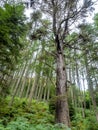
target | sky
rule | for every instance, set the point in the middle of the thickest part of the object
(89, 18)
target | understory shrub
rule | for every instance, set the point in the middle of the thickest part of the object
(22, 123)
(88, 123)
(40, 116)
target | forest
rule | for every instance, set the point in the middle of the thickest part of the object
(48, 65)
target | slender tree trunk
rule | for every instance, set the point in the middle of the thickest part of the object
(40, 89)
(50, 76)
(37, 76)
(17, 85)
(15, 80)
(45, 89)
(90, 87)
(73, 88)
(84, 90)
(28, 87)
(24, 80)
(80, 94)
(36, 90)
(22, 87)
(48, 85)
(30, 80)
(48, 91)
(0, 90)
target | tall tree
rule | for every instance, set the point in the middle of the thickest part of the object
(63, 14)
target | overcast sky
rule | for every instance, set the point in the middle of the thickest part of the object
(89, 18)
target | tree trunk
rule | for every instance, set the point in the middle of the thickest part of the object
(24, 80)
(45, 90)
(40, 89)
(80, 93)
(36, 80)
(90, 87)
(17, 85)
(28, 87)
(22, 87)
(62, 110)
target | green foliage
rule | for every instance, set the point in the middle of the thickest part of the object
(87, 100)
(71, 111)
(36, 16)
(22, 124)
(20, 117)
(13, 29)
(88, 123)
(37, 113)
(96, 21)
(96, 97)
(52, 106)
(71, 38)
(38, 117)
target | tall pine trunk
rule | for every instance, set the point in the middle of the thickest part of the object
(62, 110)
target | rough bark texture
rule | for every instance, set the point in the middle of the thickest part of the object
(62, 110)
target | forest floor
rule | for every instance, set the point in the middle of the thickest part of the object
(36, 117)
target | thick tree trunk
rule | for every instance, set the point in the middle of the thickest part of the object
(62, 110)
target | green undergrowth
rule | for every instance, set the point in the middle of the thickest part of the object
(23, 124)
(87, 123)
(40, 116)
(21, 117)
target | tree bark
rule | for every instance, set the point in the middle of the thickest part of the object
(62, 110)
